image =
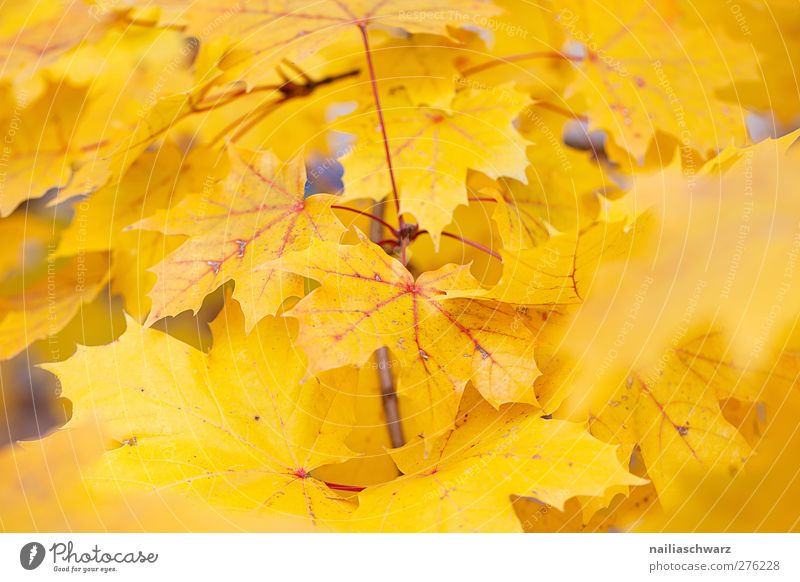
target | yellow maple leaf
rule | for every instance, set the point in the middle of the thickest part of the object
(720, 247)
(762, 497)
(647, 66)
(559, 195)
(42, 490)
(34, 34)
(369, 300)
(236, 226)
(242, 426)
(523, 48)
(466, 481)
(432, 149)
(673, 414)
(56, 146)
(36, 306)
(562, 270)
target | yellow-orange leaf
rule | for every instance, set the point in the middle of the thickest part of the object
(369, 300)
(432, 149)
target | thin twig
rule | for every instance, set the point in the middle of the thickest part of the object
(339, 487)
(288, 90)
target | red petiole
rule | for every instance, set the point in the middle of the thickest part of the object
(377, 219)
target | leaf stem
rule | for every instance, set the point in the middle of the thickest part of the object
(362, 27)
(339, 487)
(500, 61)
(377, 219)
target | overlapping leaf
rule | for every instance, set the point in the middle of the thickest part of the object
(242, 426)
(236, 226)
(466, 482)
(369, 300)
(647, 66)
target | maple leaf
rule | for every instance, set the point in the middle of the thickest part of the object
(562, 270)
(34, 35)
(621, 515)
(650, 66)
(153, 181)
(42, 489)
(682, 272)
(432, 149)
(423, 65)
(295, 29)
(368, 300)
(242, 426)
(761, 497)
(466, 481)
(524, 30)
(559, 195)
(237, 226)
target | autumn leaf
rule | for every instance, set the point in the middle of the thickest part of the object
(432, 149)
(761, 496)
(242, 426)
(466, 482)
(34, 35)
(236, 223)
(683, 273)
(368, 300)
(563, 269)
(673, 415)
